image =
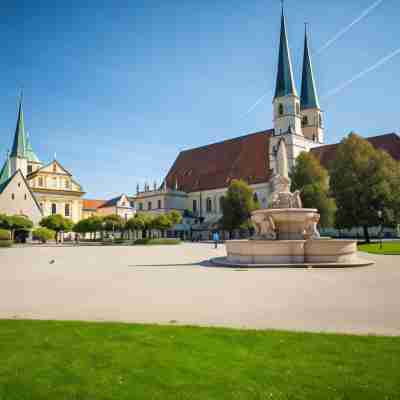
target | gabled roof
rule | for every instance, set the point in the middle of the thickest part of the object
(19, 144)
(92, 204)
(215, 165)
(6, 183)
(389, 142)
(284, 80)
(309, 97)
(41, 169)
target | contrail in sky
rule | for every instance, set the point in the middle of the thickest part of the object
(361, 74)
(336, 37)
(344, 30)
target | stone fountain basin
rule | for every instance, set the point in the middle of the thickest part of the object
(290, 222)
(300, 253)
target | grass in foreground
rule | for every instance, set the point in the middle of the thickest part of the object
(156, 241)
(76, 360)
(387, 247)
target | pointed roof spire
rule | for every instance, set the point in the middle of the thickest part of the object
(309, 97)
(19, 145)
(5, 172)
(284, 80)
(30, 154)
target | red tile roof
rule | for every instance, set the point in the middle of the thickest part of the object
(92, 204)
(389, 142)
(213, 166)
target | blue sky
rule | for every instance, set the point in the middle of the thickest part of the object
(118, 88)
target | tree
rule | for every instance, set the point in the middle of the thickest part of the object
(113, 222)
(57, 223)
(312, 180)
(43, 234)
(163, 222)
(237, 206)
(175, 217)
(19, 223)
(5, 222)
(364, 181)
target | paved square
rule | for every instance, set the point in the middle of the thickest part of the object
(161, 284)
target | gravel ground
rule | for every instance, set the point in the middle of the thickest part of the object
(177, 284)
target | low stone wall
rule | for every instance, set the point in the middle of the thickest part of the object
(313, 251)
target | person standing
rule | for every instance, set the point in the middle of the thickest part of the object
(215, 239)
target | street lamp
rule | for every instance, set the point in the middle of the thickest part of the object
(380, 215)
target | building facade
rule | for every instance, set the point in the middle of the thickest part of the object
(52, 186)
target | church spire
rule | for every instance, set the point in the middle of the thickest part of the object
(309, 97)
(5, 172)
(19, 144)
(284, 81)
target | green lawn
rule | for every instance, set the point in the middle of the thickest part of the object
(387, 248)
(75, 360)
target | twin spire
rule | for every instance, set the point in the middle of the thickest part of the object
(284, 81)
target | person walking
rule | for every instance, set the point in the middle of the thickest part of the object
(215, 239)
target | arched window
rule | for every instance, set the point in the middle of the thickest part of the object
(67, 210)
(305, 120)
(208, 204)
(297, 108)
(54, 208)
(280, 109)
(12, 196)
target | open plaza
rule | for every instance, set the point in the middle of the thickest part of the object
(179, 285)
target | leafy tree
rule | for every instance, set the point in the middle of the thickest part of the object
(19, 223)
(114, 223)
(364, 181)
(312, 180)
(57, 223)
(237, 206)
(175, 217)
(5, 221)
(163, 222)
(43, 234)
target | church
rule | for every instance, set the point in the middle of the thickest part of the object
(31, 188)
(199, 178)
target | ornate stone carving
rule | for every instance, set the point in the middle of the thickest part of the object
(311, 231)
(264, 226)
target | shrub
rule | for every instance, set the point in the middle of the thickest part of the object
(148, 241)
(43, 234)
(5, 238)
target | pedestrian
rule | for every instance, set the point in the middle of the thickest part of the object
(215, 239)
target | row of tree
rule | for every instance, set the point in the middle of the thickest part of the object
(360, 188)
(53, 225)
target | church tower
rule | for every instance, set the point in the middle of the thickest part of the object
(286, 102)
(311, 113)
(18, 156)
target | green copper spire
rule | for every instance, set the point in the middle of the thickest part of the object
(5, 172)
(19, 145)
(30, 154)
(284, 80)
(309, 97)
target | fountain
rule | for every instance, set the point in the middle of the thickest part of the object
(286, 234)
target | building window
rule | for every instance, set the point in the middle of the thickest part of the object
(29, 169)
(208, 205)
(12, 196)
(140, 206)
(297, 108)
(40, 181)
(54, 168)
(67, 210)
(320, 120)
(25, 196)
(159, 204)
(54, 182)
(280, 109)
(149, 205)
(19, 184)
(66, 184)
(54, 208)
(221, 203)
(194, 206)
(305, 121)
